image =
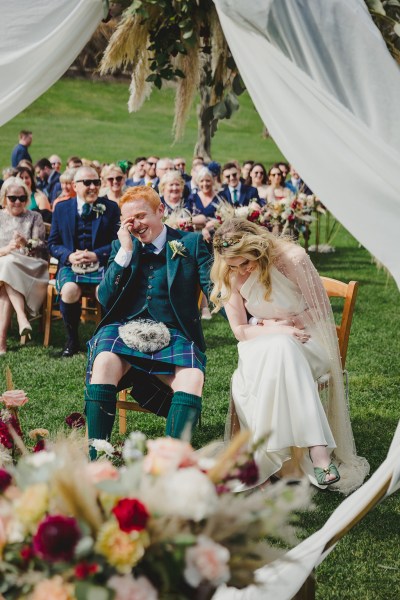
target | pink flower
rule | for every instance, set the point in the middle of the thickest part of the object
(207, 561)
(128, 588)
(56, 538)
(168, 454)
(54, 588)
(14, 398)
(100, 470)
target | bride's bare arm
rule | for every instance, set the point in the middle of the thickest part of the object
(237, 316)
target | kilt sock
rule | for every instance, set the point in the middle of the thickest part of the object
(100, 409)
(71, 314)
(183, 415)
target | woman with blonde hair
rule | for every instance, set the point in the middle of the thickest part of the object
(23, 270)
(286, 347)
(171, 188)
(113, 181)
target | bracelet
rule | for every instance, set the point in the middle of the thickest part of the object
(253, 321)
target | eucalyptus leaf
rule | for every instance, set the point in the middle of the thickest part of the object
(88, 591)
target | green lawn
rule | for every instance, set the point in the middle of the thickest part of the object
(91, 119)
(366, 563)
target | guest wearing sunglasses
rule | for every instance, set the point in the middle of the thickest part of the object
(150, 178)
(258, 178)
(23, 270)
(236, 192)
(276, 191)
(80, 238)
(113, 182)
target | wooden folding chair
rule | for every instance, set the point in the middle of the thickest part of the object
(91, 309)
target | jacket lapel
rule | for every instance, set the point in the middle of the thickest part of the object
(172, 263)
(70, 218)
(95, 226)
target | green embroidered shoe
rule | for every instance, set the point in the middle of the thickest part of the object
(321, 474)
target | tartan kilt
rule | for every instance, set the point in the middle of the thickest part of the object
(147, 390)
(66, 275)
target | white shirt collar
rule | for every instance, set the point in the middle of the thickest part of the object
(160, 241)
(235, 188)
(80, 205)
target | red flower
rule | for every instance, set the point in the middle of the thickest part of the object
(254, 215)
(248, 473)
(84, 570)
(40, 445)
(131, 515)
(56, 538)
(5, 437)
(26, 553)
(75, 420)
(5, 480)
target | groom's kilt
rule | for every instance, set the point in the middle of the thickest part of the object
(147, 389)
(67, 275)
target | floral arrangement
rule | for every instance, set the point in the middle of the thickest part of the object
(31, 247)
(180, 219)
(178, 249)
(160, 522)
(99, 209)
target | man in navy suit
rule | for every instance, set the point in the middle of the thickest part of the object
(150, 178)
(80, 238)
(236, 192)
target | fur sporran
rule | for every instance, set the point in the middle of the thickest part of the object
(83, 268)
(145, 335)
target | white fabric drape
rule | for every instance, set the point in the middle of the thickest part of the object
(324, 83)
(282, 579)
(39, 39)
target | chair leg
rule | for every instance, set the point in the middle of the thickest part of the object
(47, 315)
(122, 414)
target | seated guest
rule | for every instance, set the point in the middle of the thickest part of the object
(38, 201)
(295, 183)
(80, 238)
(67, 188)
(171, 191)
(47, 179)
(206, 200)
(197, 163)
(236, 192)
(150, 178)
(137, 171)
(74, 162)
(23, 271)
(113, 181)
(55, 162)
(154, 273)
(276, 191)
(258, 179)
(245, 171)
(215, 169)
(180, 165)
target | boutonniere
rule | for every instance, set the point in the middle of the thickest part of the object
(99, 209)
(177, 248)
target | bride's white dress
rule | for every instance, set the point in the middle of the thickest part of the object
(274, 386)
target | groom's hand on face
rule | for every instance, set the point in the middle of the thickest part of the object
(124, 234)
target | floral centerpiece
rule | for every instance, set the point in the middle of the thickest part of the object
(163, 523)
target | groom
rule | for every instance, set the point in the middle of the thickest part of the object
(155, 273)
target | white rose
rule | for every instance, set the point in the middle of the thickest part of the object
(186, 493)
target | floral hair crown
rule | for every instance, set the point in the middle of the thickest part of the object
(224, 243)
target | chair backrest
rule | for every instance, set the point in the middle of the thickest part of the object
(348, 291)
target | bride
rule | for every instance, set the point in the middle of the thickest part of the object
(279, 312)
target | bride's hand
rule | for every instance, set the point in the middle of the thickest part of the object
(280, 327)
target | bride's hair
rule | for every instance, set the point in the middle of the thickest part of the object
(240, 237)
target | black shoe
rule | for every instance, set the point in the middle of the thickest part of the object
(69, 350)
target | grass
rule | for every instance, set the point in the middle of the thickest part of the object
(91, 119)
(366, 563)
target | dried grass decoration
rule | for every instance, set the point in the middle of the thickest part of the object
(145, 335)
